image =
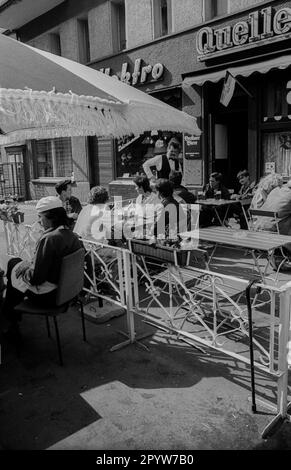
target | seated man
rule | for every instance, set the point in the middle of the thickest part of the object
(180, 191)
(207, 214)
(215, 185)
(39, 278)
(247, 187)
(246, 191)
(70, 203)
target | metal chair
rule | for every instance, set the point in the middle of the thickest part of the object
(70, 285)
(262, 213)
(273, 216)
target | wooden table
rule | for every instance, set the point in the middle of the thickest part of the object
(255, 242)
(215, 204)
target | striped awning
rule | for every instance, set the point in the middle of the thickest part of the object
(265, 66)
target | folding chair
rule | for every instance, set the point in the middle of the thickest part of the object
(261, 213)
(273, 216)
(70, 285)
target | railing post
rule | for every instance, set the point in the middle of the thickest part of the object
(128, 295)
(283, 340)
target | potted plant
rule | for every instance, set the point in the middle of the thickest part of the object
(9, 211)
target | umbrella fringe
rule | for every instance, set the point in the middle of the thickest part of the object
(50, 115)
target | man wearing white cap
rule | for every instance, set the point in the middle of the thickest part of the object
(39, 278)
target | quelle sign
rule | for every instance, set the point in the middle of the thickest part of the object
(265, 24)
(140, 74)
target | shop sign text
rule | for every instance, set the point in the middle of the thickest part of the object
(261, 25)
(141, 74)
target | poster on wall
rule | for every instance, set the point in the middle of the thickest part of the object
(191, 147)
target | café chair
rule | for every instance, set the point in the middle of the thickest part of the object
(272, 215)
(276, 263)
(70, 285)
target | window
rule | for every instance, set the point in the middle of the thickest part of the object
(274, 104)
(54, 157)
(83, 41)
(162, 15)
(214, 8)
(55, 42)
(118, 25)
(276, 149)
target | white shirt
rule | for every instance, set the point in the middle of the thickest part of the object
(157, 163)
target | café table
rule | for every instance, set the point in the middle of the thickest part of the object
(215, 204)
(257, 243)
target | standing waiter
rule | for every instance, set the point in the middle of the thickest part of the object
(165, 163)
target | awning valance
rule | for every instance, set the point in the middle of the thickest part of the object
(244, 70)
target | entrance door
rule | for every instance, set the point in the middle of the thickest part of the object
(231, 146)
(229, 134)
(12, 174)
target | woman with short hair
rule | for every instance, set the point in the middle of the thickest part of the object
(265, 186)
(94, 220)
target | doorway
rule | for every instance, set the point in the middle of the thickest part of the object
(13, 178)
(231, 145)
(228, 143)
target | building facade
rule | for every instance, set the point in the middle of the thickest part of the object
(180, 52)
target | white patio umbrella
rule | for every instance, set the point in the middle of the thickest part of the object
(43, 95)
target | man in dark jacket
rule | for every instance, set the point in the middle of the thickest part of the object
(70, 203)
(38, 279)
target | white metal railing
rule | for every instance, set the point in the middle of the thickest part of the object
(203, 308)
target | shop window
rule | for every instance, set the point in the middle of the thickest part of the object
(133, 151)
(83, 41)
(214, 8)
(162, 15)
(54, 157)
(274, 102)
(276, 149)
(118, 25)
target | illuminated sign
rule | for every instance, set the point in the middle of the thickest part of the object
(260, 27)
(141, 74)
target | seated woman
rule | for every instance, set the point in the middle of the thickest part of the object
(94, 220)
(278, 200)
(38, 279)
(265, 186)
(95, 224)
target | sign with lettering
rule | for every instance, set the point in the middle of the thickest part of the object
(191, 147)
(139, 75)
(261, 26)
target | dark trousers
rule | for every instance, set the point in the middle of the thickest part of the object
(14, 296)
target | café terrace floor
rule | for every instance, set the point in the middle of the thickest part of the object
(171, 396)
